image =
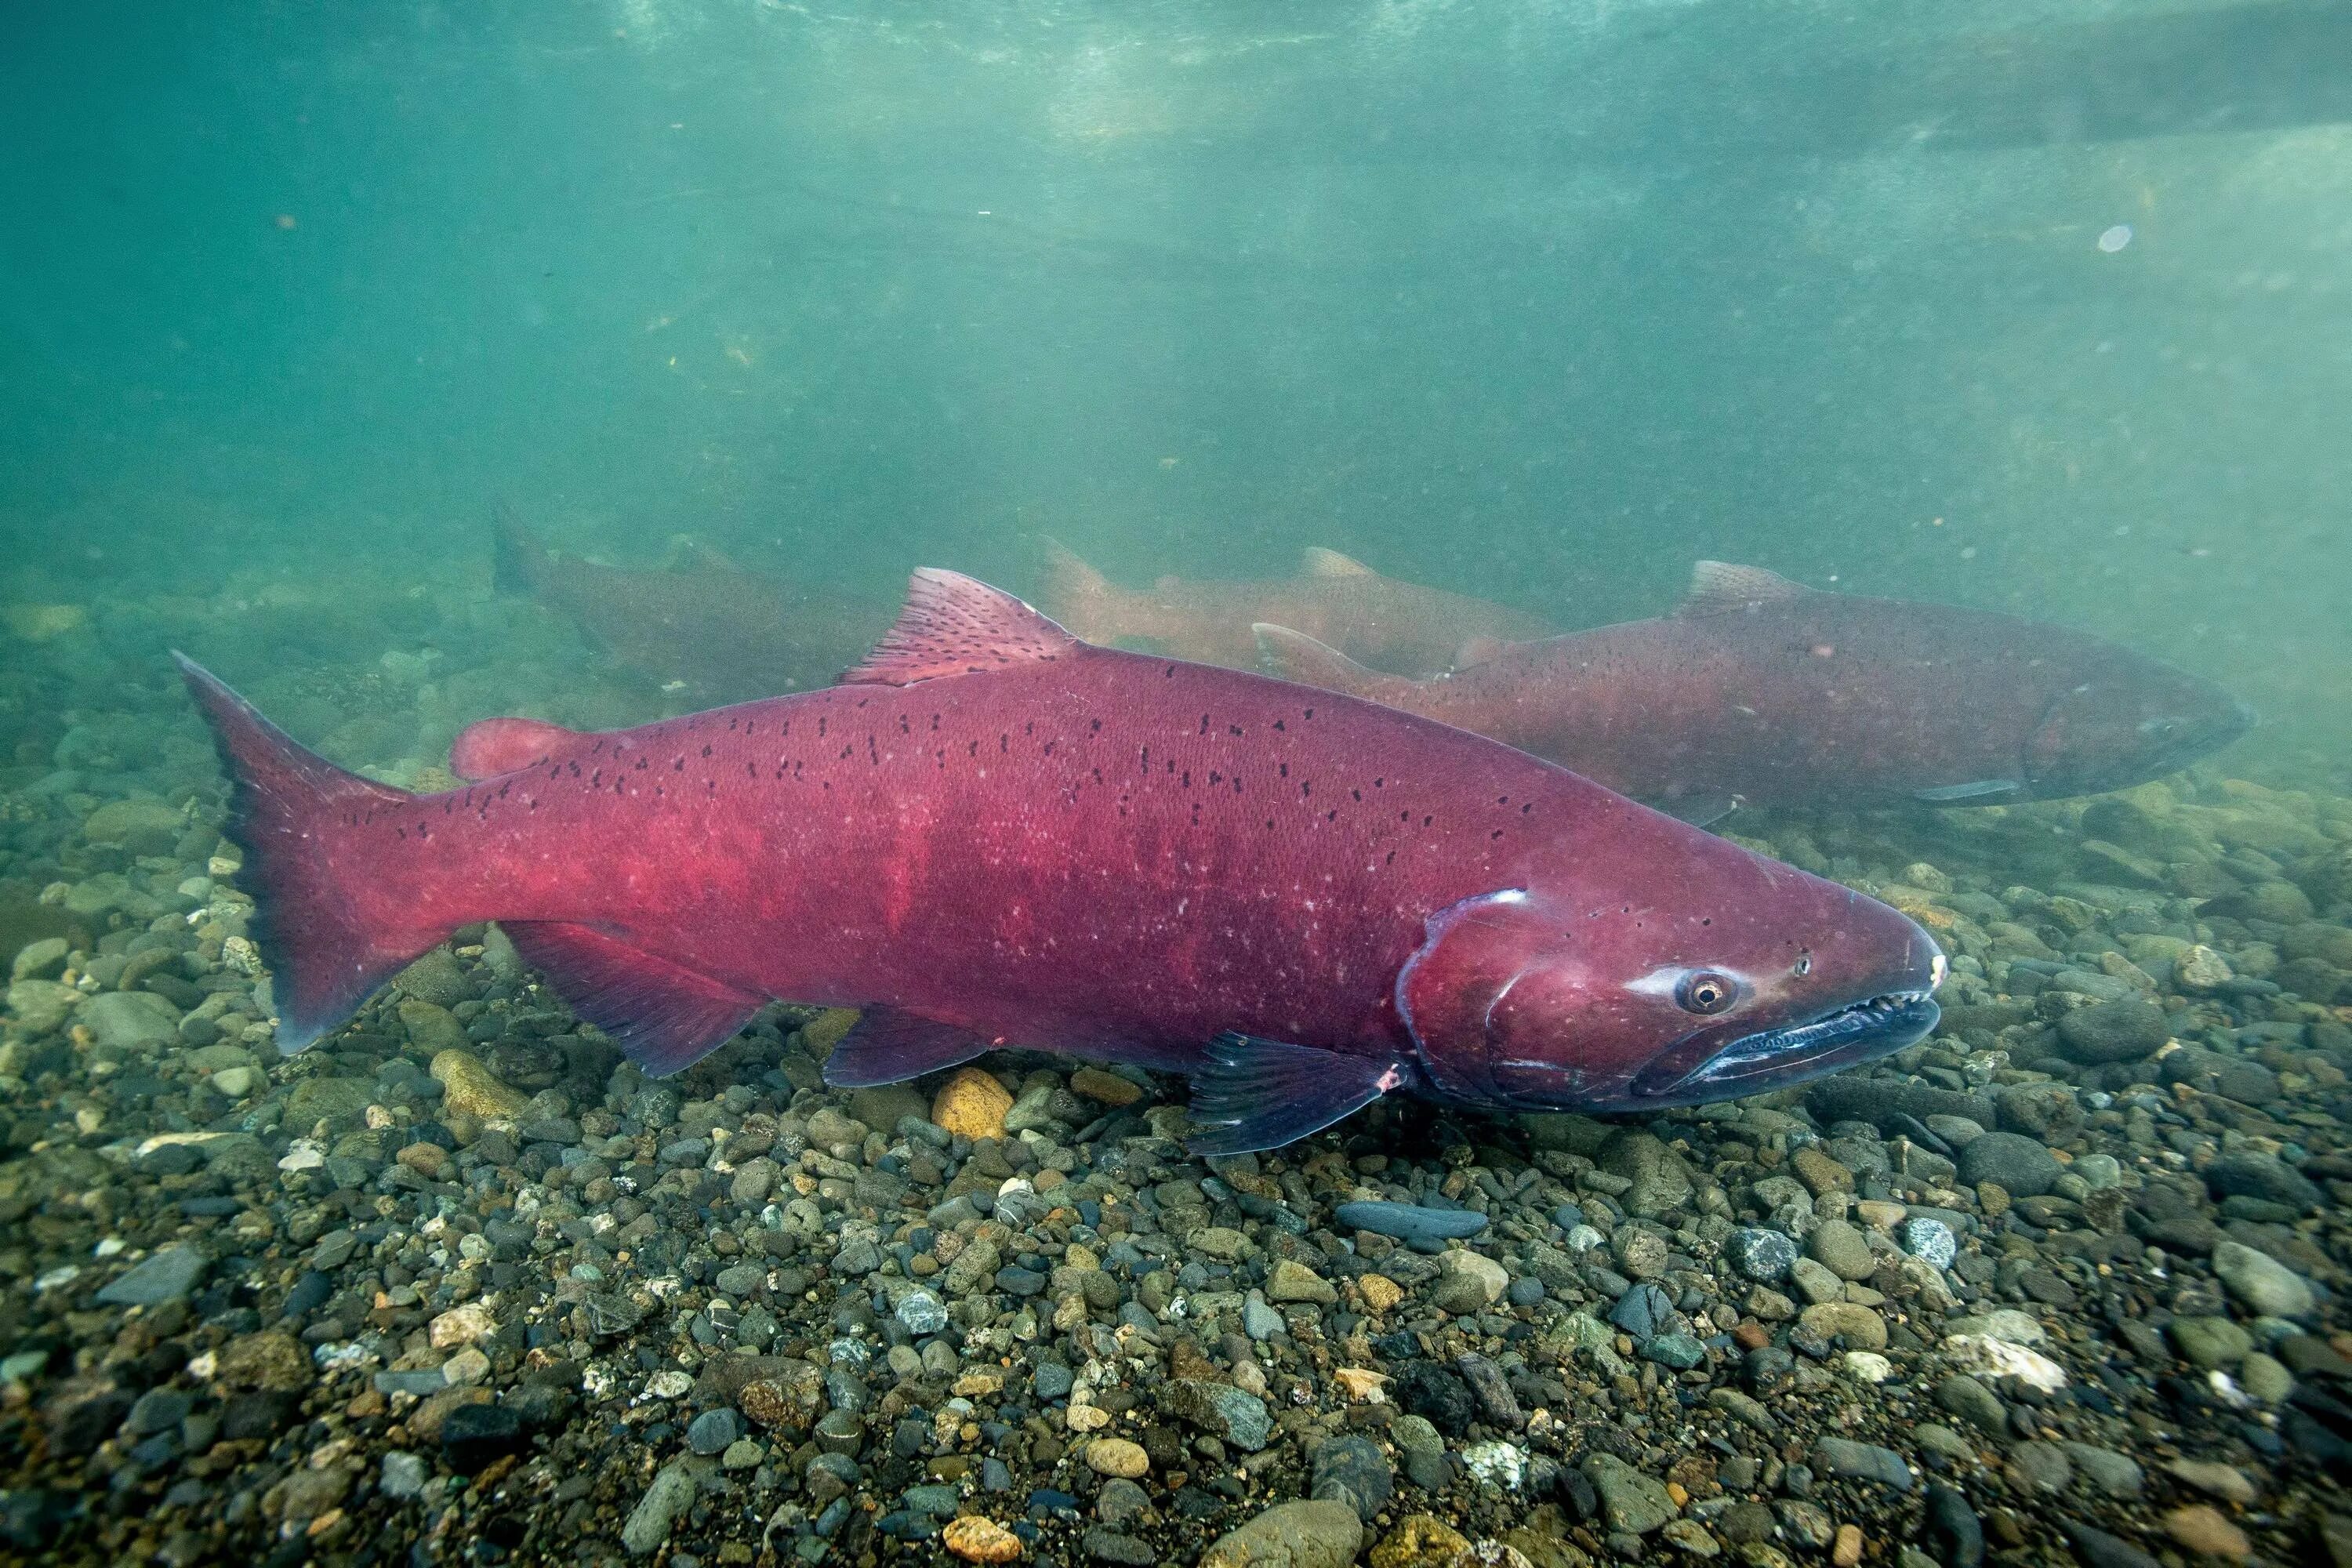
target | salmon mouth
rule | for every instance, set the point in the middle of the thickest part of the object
(1775, 1058)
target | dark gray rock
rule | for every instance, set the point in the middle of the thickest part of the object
(1410, 1222)
(2021, 1165)
(167, 1276)
(1863, 1462)
(2265, 1176)
(1353, 1471)
(2125, 1031)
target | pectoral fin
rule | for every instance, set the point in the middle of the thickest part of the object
(1975, 789)
(1262, 1094)
(886, 1045)
(662, 1015)
(1698, 810)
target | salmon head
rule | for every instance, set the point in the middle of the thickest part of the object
(2137, 720)
(1732, 975)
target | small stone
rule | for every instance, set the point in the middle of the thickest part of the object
(1419, 1540)
(1379, 1292)
(1689, 1537)
(1290, 1280)
(2022, 1166)
(2210, 1343)
(2214, 1479)
(742, 1454)
(1840, 1248)
(670, 1495)
(1351, 1470)
(1105, 1087)
(1929, 1239)
(461, 1325)
(971, 1104)
(1764, 1256)
(1629, 1500)
(977, 1540)
(1819, 1173)
(405, 1475)
(1845, 1551)
(919, 1312)
(131, 1020)
(2202, 1529)
(1973, 1402)
(712, 1431)
(470, 1088)
(1470, 1283)
(166, 1276)
(1639, 1252)
(1410, 1222)
(1117, 1457)
(472, 1437)
(1223, 1411)
(1862, 1461)
(2266, 1379)
(1858, 1326)
(2121, 1031)
(2269, 1287)
(1312, 1534)
(2118, 1475)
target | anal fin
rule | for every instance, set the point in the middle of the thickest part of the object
(1262, 1094)
(663, 1016)
(887, 1045)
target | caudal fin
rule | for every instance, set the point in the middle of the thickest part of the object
(329, 932)
(1294, 656)
(517, 561)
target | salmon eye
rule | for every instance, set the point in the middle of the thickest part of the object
(1703, 991)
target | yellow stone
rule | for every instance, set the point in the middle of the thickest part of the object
(824, 1032)
(1421, 1540)
(2201, 1528)
(473, 1089)
(1363, 1384)
(977, 1540)
(1106, 1088)
(1088, 1417)
(1847, 1551)
(1117, 1457)
(971, 1104)
(1379, 1292)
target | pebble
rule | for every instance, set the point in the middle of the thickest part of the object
(713, 1431)
(1764, 1256)
(1117, 1457)
(167, 1275)
(1410, 1222)
(1840, 1248)
(2023, 1167)
(1308, 1534)
(979, 1540)
(1862, 1461)
(2267, 1287)
(1629, 1500)
(2200, 1528)
(1928, 1239)
(971, 1104)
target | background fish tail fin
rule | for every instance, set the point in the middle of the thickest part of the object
(1294, 656)
(327, 926)
(1076, 594)
(517, 561)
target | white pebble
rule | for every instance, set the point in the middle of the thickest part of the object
(2115, 238)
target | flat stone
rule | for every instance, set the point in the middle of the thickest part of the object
(1862, 1461)
(2210, 1343)
(1841, 1248)
(1410, 1222)
(1629, 1500)
(131, 1020)
(166, 1276)
(670, 1494)
(2266, 1286)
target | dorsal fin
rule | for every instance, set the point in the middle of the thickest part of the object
(1718, 586)
(493, 746)
(1317, 561)
(955, 624)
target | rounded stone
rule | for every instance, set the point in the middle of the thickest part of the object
(1928, 1239)
(1839, 1246)
(971, 1104)
(2019, 1165)
(712, 1431)
(1117, 1457)
(1763, 1255)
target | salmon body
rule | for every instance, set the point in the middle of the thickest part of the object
(1762, 690)
(1380, 621)
(719, 633)
(994, 834)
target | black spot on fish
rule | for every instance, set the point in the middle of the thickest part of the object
(1280, 725)
(705, 751)
(677, 765)
(1095, 726)
(1497, 834)
(1232, 729)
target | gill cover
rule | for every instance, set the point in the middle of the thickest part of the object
(1454, 997)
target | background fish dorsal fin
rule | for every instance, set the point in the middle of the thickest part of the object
(955, 624)
(1317, 561)
(1718, 586)
(489, 747)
